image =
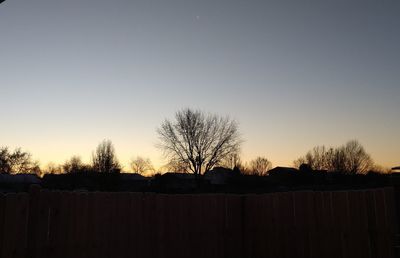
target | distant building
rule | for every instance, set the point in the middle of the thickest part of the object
(19, 179)
(175, 181)
(218, 175)
(18, 182)
(282, 171)
(132, 177)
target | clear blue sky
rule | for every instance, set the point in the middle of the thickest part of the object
(294, 74)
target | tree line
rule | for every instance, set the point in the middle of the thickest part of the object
(195, 142)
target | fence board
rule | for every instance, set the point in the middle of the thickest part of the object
(187, 218)
(302, 211)
(358, 225)
(276, 237)
(15, 225)
(101, 225)
(10, 230)
(150, 234)
(41, 238)
(391, 213)
(233, 229)
(2, 211)
(55, 232)
(268, 227)
(320, 237)
(91, 225)
(384, 241)
(341, 222)
(22, 218)
(332, 245)
(248, 213)
(372, 225)
(123, 209)
(81, 214)
(136, 226)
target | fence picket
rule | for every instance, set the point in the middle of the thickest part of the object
(10, 227)
(2, 225)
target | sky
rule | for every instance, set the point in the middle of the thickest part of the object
(294, 74)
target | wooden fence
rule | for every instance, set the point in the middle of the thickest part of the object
(295, 224)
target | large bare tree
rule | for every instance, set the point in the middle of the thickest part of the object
(104, 158)
(199, 140)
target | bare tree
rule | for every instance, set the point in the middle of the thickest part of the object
(319, 158)
(260, 166)
(74, 164)
(357, 159)
(104, 158)
(17, 162)
(141, 165)
(52, 168)
(201, 141)
(176, 166)
(231, 161)
(350, 158)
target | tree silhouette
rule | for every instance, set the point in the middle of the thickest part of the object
(350, 158)
(356, 160)
(52, 168)
(104, 158)
(176, 166)
(201, 141)
(260, 166)
(74, 164)
(319, 158)
(141, 165)
(231, 161)
(17, 162)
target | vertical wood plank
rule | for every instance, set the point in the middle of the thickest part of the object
(359, 224)
(391, 213)
(384, 240)
(276, 240)
(34, 193)
(14, 233)
(332, 247)
(22, 226)
(2, 225)
(10, 226)
(42, 224)
(233, 234)
(187, 216)
(81, 214)
(55, 231)
(136, 226)
(372, 225)
(91, 225)
(303, 214)
(341, 221)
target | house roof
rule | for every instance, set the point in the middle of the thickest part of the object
(282, 170)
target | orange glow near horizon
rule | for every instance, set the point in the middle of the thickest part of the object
(279, 157)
